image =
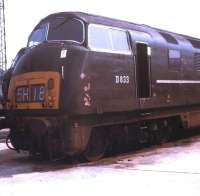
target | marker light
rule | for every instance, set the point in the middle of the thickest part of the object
(50, 84)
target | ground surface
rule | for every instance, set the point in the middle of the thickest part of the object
(170, 169)
(3, 134)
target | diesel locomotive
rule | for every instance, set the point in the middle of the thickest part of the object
(87, 83)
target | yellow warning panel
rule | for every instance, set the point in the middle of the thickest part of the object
(34, 90)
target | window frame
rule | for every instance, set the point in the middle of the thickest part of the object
(84, 33)
(129, 52)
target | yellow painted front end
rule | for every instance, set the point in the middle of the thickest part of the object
(49, 79)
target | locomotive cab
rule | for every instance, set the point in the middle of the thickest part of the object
(40, 72)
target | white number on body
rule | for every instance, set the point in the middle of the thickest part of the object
(122, 79)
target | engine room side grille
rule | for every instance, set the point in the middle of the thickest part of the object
(197, 61)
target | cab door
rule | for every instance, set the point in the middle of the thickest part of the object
(143, 79)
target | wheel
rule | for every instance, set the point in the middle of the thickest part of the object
(97, 145)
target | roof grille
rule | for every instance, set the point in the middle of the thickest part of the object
(197, 61)
(169, 38)
(195, 43)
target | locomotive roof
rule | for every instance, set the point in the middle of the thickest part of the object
(91, 18)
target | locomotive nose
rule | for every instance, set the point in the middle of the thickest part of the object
(35, 82)
(43, 57)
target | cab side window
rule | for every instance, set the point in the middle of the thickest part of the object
(108, 39)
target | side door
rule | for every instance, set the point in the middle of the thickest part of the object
(143, 71)
(141, 47)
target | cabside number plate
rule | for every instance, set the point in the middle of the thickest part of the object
(34, 93)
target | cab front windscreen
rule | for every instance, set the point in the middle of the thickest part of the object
(58, 29)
